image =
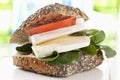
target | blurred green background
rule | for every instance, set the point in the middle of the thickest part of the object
(5, 20)
(100, 6)
(107, 6)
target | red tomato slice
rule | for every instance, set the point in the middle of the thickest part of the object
(52, 26)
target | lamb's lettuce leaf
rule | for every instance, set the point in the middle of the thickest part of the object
(109, 52)
(89, 50)
(66, 58)
(25, 49)
(91, 32)
(98, 37)
(52, 57)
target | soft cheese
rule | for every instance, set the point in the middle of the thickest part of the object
(61, 44)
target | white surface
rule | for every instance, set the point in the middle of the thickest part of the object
(9, 72)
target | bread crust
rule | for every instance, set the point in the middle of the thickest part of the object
(85, 62)
(21, 37)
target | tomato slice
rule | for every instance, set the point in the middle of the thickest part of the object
(52, 26)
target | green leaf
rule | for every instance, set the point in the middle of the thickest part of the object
(91, 32)
(33, 53)
(98, 37)
(89, 50)
(25, 49)
(79, 33)
(66, 58)
(54, 56)
(109, 52)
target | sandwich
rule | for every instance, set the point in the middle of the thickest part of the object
(54, 41)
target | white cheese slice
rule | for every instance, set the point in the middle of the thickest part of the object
(57, 33)
(62, 44)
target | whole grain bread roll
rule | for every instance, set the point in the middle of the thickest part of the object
(47, 14)
(85, 62)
